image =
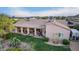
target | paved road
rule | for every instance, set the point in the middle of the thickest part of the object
(74, 45)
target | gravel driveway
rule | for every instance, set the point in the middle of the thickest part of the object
(74, 45)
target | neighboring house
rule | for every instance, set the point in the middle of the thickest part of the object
(39, 28)
(62, 22)
(72, 23)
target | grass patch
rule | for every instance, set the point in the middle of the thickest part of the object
(41, 46)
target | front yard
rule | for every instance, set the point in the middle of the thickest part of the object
(29, 43)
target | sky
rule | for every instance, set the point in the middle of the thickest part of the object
(39, 11)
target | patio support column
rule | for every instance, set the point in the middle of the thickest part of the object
(35, 32)
(16, 30)
(21, 30)
(27, 31)
(43, 32)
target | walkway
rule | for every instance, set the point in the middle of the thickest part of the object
(74, 45)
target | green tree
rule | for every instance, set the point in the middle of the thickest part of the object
(6, 25)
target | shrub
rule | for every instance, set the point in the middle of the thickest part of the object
(45, 39)
(14, 49)
(14, 42)
(66, 42)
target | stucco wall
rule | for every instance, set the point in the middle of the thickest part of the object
(51, 29)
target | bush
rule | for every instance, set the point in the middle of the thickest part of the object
(45, 39)
(14, 49)
(66, 42)
(14, 42)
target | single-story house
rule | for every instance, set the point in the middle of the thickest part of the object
(43, 28)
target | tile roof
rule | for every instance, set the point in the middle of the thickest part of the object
(31, 23)
(61, 25)
(38, 23)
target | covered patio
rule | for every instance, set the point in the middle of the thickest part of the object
(30, 31)
(32, 27)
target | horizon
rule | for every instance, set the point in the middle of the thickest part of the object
(39, 11)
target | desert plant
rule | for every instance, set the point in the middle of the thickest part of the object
(66, 42)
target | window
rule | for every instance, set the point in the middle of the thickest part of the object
(60, 35)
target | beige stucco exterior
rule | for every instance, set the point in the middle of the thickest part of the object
(52, 29)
